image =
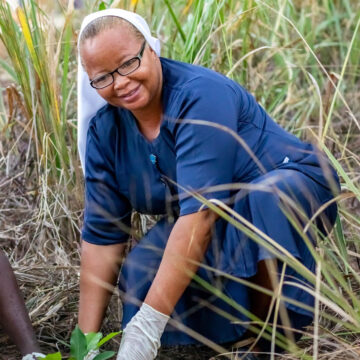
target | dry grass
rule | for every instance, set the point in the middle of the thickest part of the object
(45, 263)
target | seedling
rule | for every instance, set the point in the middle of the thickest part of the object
(81, 345)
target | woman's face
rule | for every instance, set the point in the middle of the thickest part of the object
(110, 49)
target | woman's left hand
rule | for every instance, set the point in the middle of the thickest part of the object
(141, 337)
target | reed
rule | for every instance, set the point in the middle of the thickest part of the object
(40, 54)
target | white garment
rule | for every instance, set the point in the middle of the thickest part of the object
(33, 356)
(89, 101)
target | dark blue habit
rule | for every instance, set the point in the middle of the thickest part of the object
(216, 140)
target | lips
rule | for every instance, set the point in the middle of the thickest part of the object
(130, 96)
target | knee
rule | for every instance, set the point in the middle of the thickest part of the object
(141, 264)
(289, 188)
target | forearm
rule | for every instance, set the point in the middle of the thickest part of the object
(184, 251)
(98, 275)
(13, 315)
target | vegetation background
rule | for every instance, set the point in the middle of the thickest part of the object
(301, 60)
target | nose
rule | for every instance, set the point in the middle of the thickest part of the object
(120, 81)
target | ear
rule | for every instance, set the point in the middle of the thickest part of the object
(153, 53)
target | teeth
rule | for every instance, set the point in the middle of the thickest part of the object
(130, 93)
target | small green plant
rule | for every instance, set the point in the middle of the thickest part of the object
(81, 345)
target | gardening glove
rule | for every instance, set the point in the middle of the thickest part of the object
(33, 356)
(141, 337)
(92, 354)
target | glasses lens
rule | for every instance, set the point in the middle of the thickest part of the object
(129, 66)
(102, 81)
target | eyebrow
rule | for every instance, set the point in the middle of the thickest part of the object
(128, 58)
(105, 72)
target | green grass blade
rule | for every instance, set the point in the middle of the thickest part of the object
(176, 20)
(9, 70)
(107, 338)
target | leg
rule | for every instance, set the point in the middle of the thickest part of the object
(13, 315)
(294, 323)
(283, 194)
(260, 302)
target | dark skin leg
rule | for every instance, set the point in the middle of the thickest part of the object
(265, 277)
(14, 318)
(260, 302)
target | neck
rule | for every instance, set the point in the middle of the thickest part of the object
(149, 121)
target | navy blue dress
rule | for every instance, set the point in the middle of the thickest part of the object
(215, 140)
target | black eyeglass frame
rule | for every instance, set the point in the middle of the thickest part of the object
(138, 57)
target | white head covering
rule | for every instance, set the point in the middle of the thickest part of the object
(89, 101)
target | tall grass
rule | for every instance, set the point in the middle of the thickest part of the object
(41, 92)
(301, 61)
(39, 54)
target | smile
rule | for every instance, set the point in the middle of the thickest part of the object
(131, 95)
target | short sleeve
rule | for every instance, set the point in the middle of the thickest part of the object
(205, 147)
(107, 211)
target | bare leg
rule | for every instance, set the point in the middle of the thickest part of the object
(260, 302)
(13, 315)
(267, 278)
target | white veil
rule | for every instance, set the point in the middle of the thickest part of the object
(89, 101)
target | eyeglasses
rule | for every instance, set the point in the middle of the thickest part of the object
(125, 69)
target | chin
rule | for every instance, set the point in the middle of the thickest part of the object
(135, 106)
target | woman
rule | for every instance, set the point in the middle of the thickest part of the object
(13, 315)
(167, 129)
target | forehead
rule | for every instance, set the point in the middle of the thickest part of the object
(108, 49)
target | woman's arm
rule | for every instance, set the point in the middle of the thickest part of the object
(185, 248)
(13, 315)
(98, 274)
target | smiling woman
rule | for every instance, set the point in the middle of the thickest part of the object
(155, 130)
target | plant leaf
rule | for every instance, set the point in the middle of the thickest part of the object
(54, 356)
(78, 344)
(92, 340)
(105, 355)
(107, 338)
(102, 6)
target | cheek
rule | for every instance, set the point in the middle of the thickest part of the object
(152, 79)
(105, 93)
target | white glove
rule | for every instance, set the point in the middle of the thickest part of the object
(141, 337)
(33, 356)
(91, 354)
